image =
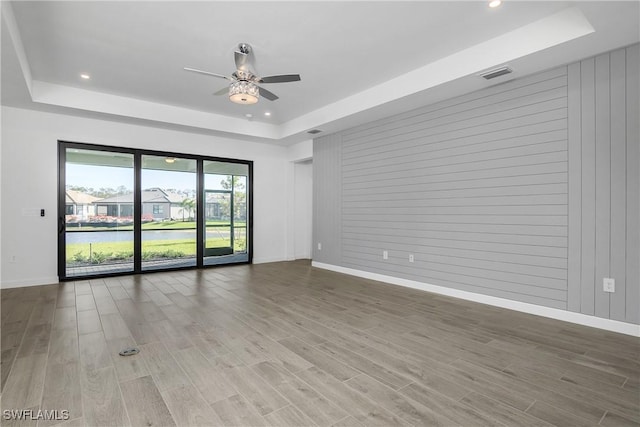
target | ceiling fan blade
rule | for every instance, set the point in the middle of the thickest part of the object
(207, 73)
(280, 79)
(223, 91)
(266, 94)
(242, 61)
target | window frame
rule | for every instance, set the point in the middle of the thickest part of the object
(137, 153)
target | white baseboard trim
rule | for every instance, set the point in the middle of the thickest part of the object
(26, 283)
(538, 310)
(267, 259)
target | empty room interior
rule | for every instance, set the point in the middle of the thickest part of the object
(341, 213)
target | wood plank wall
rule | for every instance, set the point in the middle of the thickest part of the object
(604, 185)
(527, 190)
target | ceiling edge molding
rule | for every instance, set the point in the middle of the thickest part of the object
(553, 30)
(561, 27)
(71, 97)
(9, 19)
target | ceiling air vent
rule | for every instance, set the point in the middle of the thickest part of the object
(492, 74)
(314, 131)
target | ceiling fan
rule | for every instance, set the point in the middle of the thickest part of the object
(244, 88)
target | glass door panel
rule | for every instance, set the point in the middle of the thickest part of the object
(98, 220)
(218, 239)
(168, 212)
(225, 213)
(240, 214)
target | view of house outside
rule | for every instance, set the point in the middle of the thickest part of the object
(99, 215)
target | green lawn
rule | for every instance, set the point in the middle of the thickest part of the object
(151, 249)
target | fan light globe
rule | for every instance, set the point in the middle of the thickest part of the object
(243, 92)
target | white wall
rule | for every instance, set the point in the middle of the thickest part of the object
(29, 183)
(301, 151)
(302, 208)
(297, 153)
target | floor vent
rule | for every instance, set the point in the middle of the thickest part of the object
(129, 351)
(492, 74)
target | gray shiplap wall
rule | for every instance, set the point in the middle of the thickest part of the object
(604, 185)
(495, 192)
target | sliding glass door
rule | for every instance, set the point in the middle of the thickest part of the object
(168, 212)
(130, 211)
(226, 219)
(97, 225)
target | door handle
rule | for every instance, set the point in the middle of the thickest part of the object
(61, 225)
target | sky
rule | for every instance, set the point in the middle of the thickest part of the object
(97, 177)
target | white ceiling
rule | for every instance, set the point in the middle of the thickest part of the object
(358, 60)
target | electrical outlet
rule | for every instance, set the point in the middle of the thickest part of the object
(385, 255)
(411, 259)
(319, 246)
(608, 285)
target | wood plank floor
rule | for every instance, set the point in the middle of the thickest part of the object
(287, 344)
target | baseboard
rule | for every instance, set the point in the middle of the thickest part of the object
(31, 282)
(264, 260)
(306, 255)
(538, 310)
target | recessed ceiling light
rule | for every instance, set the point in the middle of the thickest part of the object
(267, 113)
(248, 115)
(85, 76)
(495, 3)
